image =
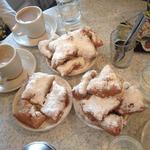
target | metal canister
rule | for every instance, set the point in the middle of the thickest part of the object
(39, 145)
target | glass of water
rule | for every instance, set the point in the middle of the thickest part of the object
(125, 142)
(70, 13)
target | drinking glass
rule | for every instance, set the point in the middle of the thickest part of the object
(121, 54)
(38, 145)
(125, 142)
(145, 138)
(70, 13)
(145, 84)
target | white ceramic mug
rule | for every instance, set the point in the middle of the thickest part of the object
(10, 63)
(30, 21)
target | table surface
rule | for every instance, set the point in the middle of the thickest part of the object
(103, 16)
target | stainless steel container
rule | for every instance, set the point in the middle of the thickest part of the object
(39, 145)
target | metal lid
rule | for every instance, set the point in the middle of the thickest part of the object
(38, 146)
(125, 143)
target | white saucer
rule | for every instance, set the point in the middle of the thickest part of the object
(51, 26)
(29, 66)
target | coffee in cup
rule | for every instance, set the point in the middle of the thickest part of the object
(10, 63)
(30, 21)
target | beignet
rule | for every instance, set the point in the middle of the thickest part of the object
(43, 47)
(104, 100)
(96, 108)
(71, 65)
(113, 124)
(132, 101)
(37, 87)
(106, 84)
(82, 43)
(29, 114)
(43, 102)
(55, 102)
(80, 91)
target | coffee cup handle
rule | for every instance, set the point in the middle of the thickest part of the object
(15, 30)
(2, 80)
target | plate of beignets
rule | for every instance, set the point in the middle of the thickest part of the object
(104, 101)
(43, 102)
(72, 53)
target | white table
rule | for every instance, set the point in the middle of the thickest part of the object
(103, 16)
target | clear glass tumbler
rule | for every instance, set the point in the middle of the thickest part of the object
(145, 138)
(70, 13)
(125, 142)
(145, 84)
(121, 54)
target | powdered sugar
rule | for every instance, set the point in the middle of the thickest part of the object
(102, 96)
(55, 101)
(37, 87)
(43, 47)
(89, 75)
(113, 124)
(84, 45)
(112, 121)
(63, 50)
(79, 43)
(81, 88)
(132, 101)
(75, 43)
(70, 65)
(99, 107)
(106, 81)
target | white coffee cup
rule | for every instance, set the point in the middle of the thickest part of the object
(10, 63)
(30, 21)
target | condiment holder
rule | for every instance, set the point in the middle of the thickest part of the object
(38, 146)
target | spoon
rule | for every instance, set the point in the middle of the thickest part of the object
(133, 34)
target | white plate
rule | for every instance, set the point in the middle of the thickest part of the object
(29, 66)
(51, 26)
(78, 71)
(46, 125)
